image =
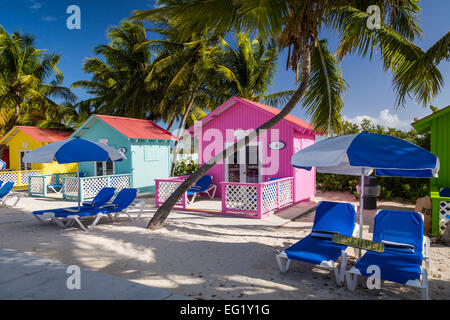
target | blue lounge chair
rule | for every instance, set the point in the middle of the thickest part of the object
(121, 203)
(6, 193)
(405, 249)
(202, 185)
(318, 248)
(102, 198)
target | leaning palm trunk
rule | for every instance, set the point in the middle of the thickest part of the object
(162, 213)
(179, 135)
(13, 121)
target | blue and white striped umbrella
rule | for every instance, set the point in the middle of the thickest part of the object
(354, 154)
(360, 154)
(73, 150)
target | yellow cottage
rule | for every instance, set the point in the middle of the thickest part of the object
(22, 139)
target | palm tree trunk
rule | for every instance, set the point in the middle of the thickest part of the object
(171, 122)
(162, 213)
(179, 134)
(13, 121)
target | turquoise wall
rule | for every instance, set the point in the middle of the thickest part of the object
(100, 130)
(151, 160)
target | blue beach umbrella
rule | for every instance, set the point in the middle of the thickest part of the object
(74, 150)
(360, 154)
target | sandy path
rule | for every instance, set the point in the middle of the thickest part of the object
(202, 256)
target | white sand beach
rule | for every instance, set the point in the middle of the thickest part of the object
(205, 256)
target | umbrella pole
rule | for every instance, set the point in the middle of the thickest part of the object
(361, 208)
(79, 186)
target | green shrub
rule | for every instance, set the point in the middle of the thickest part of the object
(185, 167)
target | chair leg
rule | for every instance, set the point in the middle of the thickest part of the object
(141, 207)
(192, 199)
(129, 216)
(424, 284)
(75, 218)
(213, 190)
(284, 267)
(17, 195)
(97, 219)
(41, 220)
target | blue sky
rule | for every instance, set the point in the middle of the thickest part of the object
(369, 94)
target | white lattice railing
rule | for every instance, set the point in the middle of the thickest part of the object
(444, 215)
(240, 198)
(19, 178)
(90, 186)
(38, 184)
(165, 187)
(256, 199)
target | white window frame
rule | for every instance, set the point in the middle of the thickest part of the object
(104, 167)
(20, 160)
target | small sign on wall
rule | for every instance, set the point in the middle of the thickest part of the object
(277, 145)
(25, 144)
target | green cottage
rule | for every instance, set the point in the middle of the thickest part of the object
(146, 147)
(438, 123)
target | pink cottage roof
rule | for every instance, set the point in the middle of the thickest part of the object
(137, 128)
(290, 118)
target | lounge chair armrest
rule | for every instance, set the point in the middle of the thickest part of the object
(109, 206)
(88, 203)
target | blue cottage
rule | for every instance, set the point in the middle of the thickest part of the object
(145, 145)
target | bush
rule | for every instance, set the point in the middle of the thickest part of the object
(185, 167)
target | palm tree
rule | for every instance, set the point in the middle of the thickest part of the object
(248, 71)
(29, 80)
(202, 69)
(296, 25)
(118, 83)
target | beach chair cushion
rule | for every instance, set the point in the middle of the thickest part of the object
(314, 250)
(403, 227)
(401, 230)
(102, 197)
(330, 217)
(334, 217)
(201, 185)
(6, 188)
(396, 267)
(123, 199)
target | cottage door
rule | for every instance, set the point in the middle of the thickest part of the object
(244, 165)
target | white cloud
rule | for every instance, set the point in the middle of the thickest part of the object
(36, 5)
(385, 118)
(49, 18)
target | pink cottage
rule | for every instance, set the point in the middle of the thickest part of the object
(258, 180)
